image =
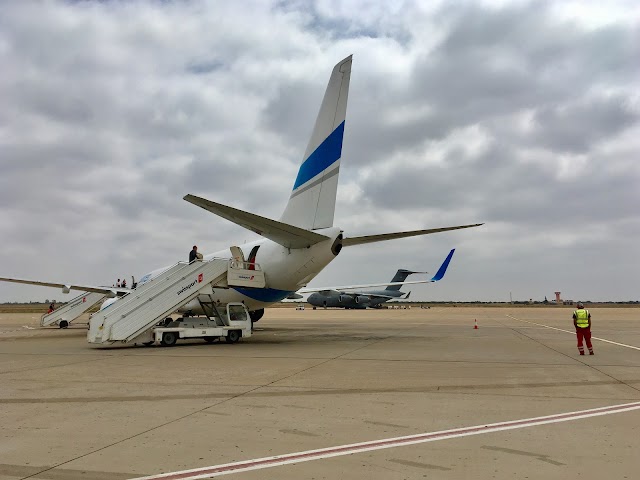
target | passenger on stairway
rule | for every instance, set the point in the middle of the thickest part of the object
(124, 283)
(194, 254)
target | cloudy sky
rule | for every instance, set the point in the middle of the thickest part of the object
(522, 115)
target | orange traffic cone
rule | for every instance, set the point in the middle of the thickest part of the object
(475, 325)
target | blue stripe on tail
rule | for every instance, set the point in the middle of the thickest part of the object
(327, 153)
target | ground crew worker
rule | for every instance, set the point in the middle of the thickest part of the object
(582, 322)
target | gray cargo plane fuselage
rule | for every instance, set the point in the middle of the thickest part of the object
(361, 299)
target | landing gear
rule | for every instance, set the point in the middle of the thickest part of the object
(256, 315)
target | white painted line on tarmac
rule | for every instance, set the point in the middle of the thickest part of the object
(573, 333)
(297, 457)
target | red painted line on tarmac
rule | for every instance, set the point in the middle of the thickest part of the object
(225, 469)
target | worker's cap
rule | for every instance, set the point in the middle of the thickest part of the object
(580, 305)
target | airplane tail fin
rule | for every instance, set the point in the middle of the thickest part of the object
(400, 276)
(313, 199)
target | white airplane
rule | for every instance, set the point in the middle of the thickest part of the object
(304, 240)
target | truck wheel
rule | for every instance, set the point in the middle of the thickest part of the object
(169, 339)
(64, 324)
(233, 336)
(210, 339)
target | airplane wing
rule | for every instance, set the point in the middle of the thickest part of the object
(347, 242)
(288, 236)
(375, 295)
(340, 289)
(109, 291)
(438, 276)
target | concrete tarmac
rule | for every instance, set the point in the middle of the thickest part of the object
(314, 379)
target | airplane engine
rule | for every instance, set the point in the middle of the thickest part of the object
(344, 298)
(337, 245)
(362, 299)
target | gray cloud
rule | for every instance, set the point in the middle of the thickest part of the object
(512, 115)
(576, 128)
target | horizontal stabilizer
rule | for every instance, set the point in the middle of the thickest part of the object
(347, 242)
(282, 233)
(66, 287)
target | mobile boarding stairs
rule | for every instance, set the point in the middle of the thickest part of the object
(73, 309)
(138, 316)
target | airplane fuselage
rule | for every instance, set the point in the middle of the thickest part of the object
(369, 298)
(286, 270)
